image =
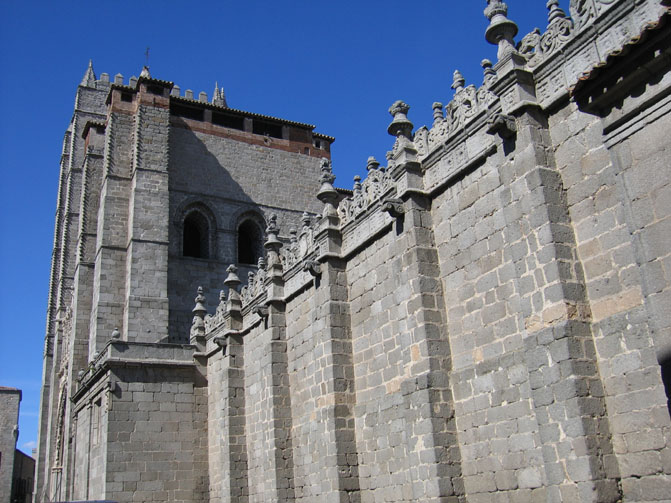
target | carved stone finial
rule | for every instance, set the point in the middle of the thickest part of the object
(81, 374)
(116, 334)
(400, 126)
(293, 235)
(199, 312)
(306, 220)
(273, 244)
(222, 296)
(458, 81)
(438, 114)
(145, 72)
(327, 193)
(487, 70)
(199, 309)
(272, 230)
(261, 264)
(357, 184)
(556, 12)
(501, 30)
(232, 280)
(372, 164)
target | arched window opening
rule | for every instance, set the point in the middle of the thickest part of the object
(250, 243)
(196, 236)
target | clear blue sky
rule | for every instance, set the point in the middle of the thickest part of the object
(339, 65)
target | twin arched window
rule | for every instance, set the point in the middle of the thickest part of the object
(197, 236)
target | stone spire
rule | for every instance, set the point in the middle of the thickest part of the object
(218, 96)
(89, 79)
(501, 30)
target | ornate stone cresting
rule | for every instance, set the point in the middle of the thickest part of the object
(468, 103)
(501, 30)
(365, 193)
(537, 47)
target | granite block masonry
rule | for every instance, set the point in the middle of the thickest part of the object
(485, 318)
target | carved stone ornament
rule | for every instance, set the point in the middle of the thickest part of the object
(394, 207)
(503, 125)
(313, 267)
(261, 311)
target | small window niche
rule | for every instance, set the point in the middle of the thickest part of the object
(250, 243)
(196, 236)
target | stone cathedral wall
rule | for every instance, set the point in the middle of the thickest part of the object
(500, 336)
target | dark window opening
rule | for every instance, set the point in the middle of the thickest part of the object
(157, 90)
(196, 236)
(250, 243)
(127, 97)
(187, 112)
(229, 121)
(267, 128)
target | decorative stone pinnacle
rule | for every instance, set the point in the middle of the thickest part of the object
(305, 219)
(89, 79)
(372, 164)
(218, 96)
(357, 183)
(115, 333)
(199, 310)
(293, 232)
(458, 81)
(327, 193)
(400, 126)
(145, 72)
(487, 67)
(232, 280)
(437, 111)
(222, 296)
(556, 12)
(272, 243)
(261, 264)
(501, 30)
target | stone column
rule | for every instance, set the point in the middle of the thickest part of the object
(335, 378)
(233, 446)
(279, 481)
(434, 459)
(566, 389)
